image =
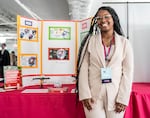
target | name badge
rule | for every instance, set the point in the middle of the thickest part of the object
(106, 75)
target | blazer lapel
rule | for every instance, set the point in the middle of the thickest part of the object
(116, 51)
(100, 49)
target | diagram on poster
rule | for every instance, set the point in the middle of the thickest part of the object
(59, 33)
(28, 33)
(28, 60)
(58, 53)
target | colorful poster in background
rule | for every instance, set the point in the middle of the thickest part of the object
(12, 77)
(59, 33)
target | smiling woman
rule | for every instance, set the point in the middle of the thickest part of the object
(103, 80)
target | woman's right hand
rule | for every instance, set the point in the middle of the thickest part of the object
(87, 103)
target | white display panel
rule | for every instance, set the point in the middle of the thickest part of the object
(59, 48)
(29, 42)
(83, 27)
(139, 32)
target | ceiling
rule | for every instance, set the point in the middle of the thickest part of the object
(46, 10)
(40, 9)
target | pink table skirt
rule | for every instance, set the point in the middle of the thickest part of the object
(14, 104)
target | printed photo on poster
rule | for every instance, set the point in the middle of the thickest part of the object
(58, 53)
(59, 33)
(28, 60)
(29, 34)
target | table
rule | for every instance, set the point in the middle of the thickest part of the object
(14, 104)
(139, 105)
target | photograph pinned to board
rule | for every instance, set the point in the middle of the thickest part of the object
(59, 33)
(28, 60)
(59, 53)
(29, 34)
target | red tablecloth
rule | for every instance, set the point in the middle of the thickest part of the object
(14, 104)
(139, 105)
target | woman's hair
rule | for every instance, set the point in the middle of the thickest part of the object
(93, 27)
(117, 26)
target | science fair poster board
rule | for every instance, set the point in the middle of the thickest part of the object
(49, 47)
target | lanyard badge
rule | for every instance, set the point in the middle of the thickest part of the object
(106, 76)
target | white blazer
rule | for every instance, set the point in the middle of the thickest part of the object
(121, 65)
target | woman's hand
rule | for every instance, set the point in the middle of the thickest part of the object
(87, 103)
(120, 107)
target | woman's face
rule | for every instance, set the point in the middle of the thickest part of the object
(105, 21)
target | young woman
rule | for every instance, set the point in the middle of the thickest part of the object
(105, 67)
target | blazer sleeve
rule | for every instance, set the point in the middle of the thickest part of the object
(84, 89)
(127, 75)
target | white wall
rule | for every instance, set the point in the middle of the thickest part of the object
(95, 4)
(139, 33)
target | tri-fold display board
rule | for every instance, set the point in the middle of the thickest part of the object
(49, 47)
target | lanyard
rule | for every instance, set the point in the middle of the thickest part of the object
(109, 49)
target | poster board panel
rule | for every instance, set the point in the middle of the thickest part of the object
(59, 37)
(29, 47)
(84, 27)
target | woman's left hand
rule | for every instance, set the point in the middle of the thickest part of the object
(120, 107)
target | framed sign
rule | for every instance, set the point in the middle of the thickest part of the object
(58, 53)
(59, 33)
(12, 77)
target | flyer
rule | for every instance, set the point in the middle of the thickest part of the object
(12, 77)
